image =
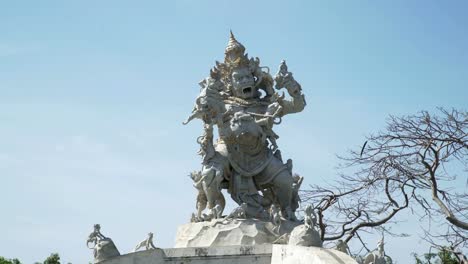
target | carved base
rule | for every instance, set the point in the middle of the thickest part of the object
(235, 232)
(105, 249)
(260, 254)
(302, 236)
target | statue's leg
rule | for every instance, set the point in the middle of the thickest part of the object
(221, 202)
(216, 185)
(277, 175)
(201, 204)
(282, 186)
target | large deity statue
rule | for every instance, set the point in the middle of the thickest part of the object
(239, 99)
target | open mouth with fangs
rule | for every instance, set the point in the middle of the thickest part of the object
(247, 90)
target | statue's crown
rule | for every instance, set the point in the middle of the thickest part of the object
(234, 47)
(234, 53)
(234, 57)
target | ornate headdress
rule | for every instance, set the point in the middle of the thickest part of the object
(234, 49)
(234, 53)
(234, 58)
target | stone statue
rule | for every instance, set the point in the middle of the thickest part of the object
(275, 217)
(342, 246)
(103, 247)
(297, 182)
(307, 233)
(95, 236)
(147, 243)
(240, 100)
(378, 256)
(209, 195)
(310, 219)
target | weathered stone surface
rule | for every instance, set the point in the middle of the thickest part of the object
(105, 249)
(242, 100)
(286, 254)
(304, 236)
(234, 232)
(153, 256)
(259, 254)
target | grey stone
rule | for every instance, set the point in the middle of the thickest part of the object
(258, 254)
(232, 232)
(105, 249)
(304, 236)
(287, 254)
(378, 255)
(239, 98)
(146, 244)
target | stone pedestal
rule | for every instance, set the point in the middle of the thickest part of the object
(303, 236)
(246, 232)
(105, 249)
(260, 254)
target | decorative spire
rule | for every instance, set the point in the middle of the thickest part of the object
(234, 47)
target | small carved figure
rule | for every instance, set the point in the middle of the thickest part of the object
(103, 247)
(201, 196)
(285, 79)
(95, 236)
(342, 246)
(275, 218)
(147, 243)
(207, 150)
(209, 193)
(193, 218)
(378, 256)
(297, 182)
(282, 75)
(310, 219)
(208, 105)
(275, 215)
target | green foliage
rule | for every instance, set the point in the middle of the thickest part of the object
(447, 257)
(9, 261)
(54, 258)
(444, 256)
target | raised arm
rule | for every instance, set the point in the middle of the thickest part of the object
(284, 79)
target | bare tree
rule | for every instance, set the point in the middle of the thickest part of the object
(412, 164)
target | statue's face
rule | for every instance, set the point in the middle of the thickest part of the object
(243, 83)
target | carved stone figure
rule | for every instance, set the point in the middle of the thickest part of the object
(103, 247)
(306, 234)
(378, 256)
(297, 182)
(342, 246)
(201, 196)
(95, 236)
(239, 99)
(209, 193)
(147, 243)
(193, 218)
(310, 219)
(275, 217)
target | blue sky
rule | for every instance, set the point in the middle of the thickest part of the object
(92, 95)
